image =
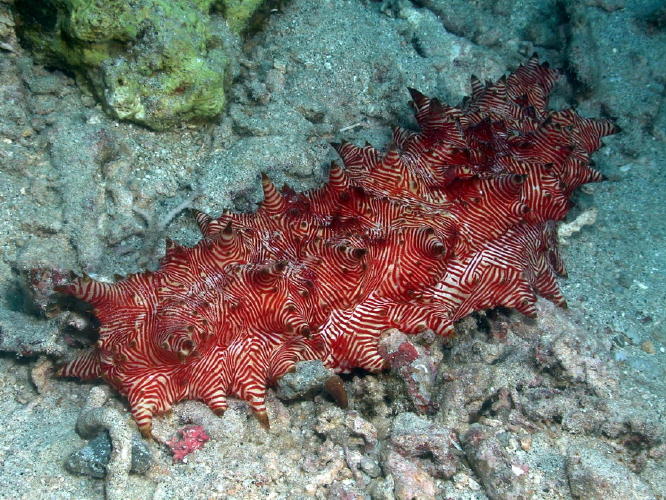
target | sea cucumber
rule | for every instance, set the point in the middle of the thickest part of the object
(455, 218)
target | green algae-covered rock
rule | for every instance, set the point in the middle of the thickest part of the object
(238, 12)
(153, 62)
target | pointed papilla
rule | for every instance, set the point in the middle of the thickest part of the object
(262, 418)
(273, 202)
(335, 387)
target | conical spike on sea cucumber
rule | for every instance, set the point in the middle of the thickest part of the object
(273, 202)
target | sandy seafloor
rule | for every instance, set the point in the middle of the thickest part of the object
(81, 191)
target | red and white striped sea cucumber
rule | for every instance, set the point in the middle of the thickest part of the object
(455, 218)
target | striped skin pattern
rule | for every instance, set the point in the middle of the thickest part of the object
(456, 218)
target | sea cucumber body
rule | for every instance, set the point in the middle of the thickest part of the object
(456, 218)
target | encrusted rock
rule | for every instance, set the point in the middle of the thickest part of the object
(415, 364)
(425, 443)
(153, 62)
(594, 475)
(308, 378)
(501, 474)
(411, 481)
(92, 459)
(348, 428)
